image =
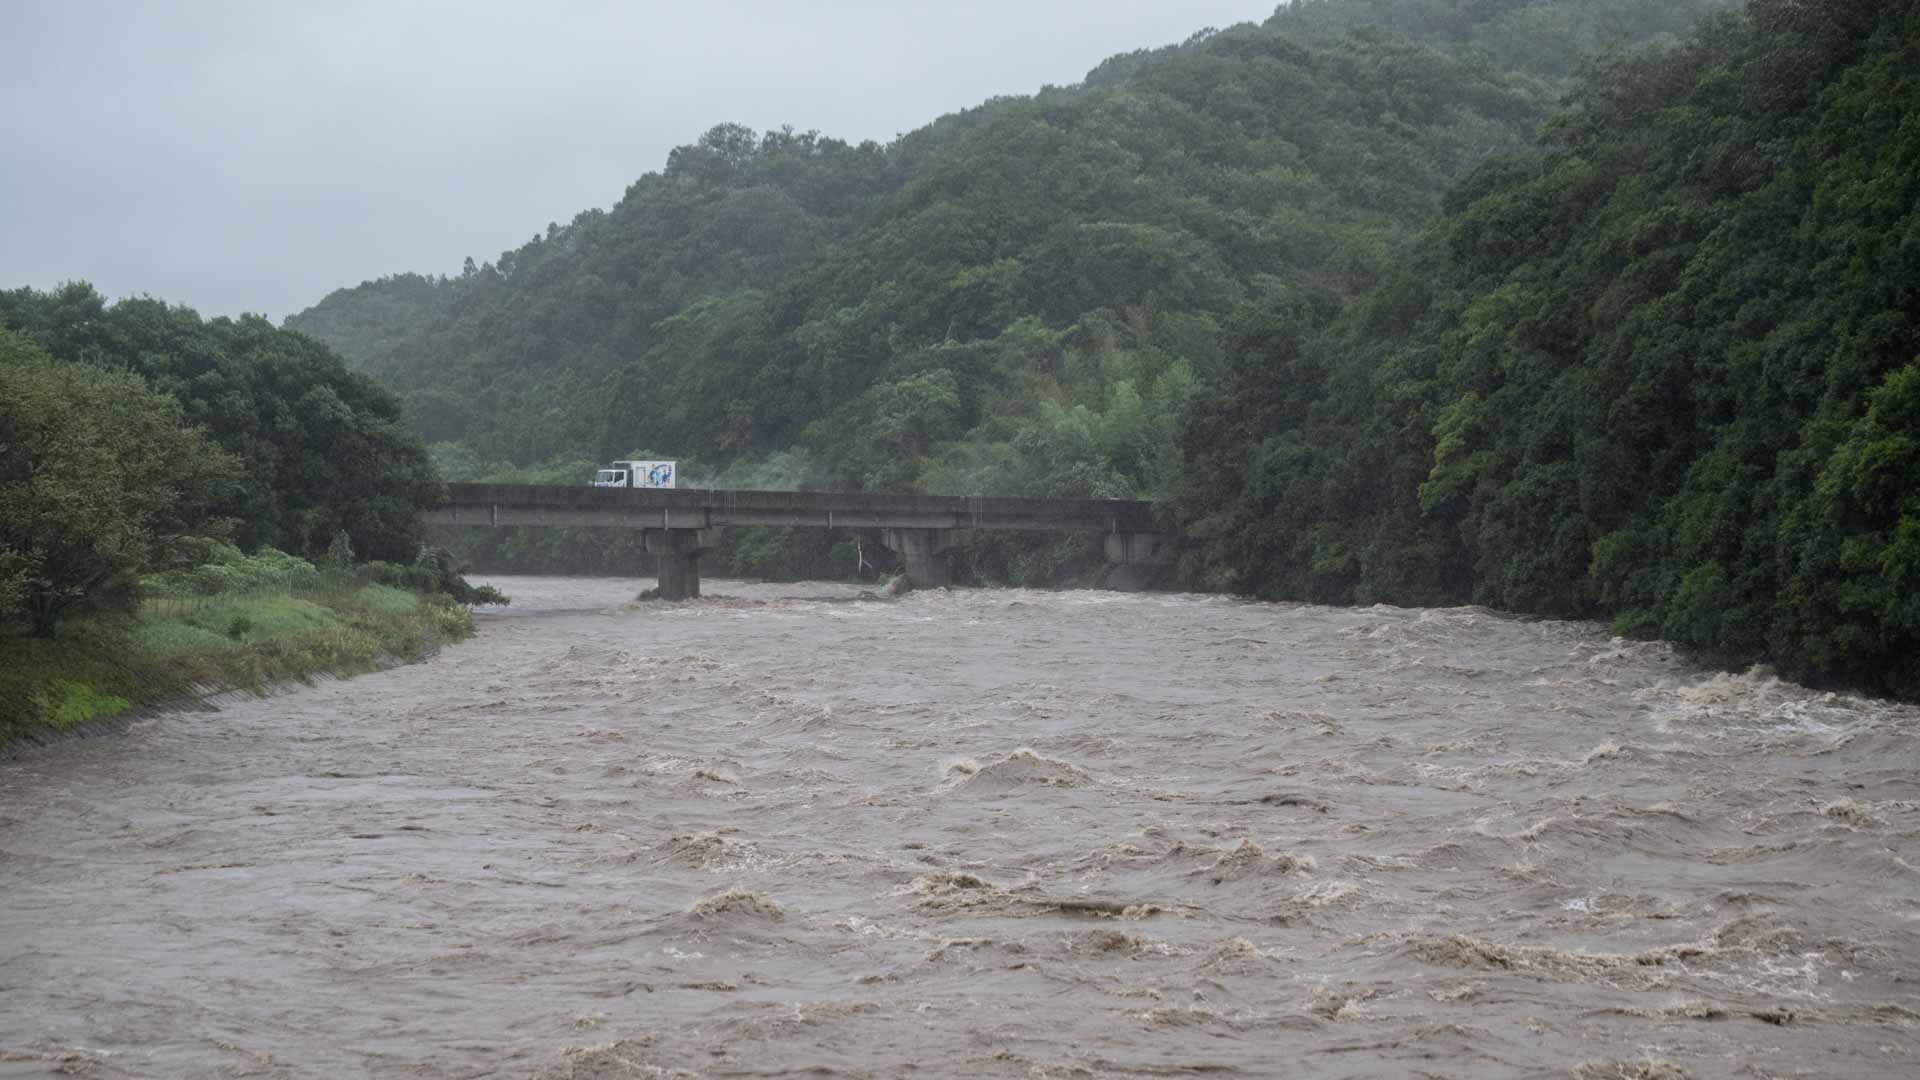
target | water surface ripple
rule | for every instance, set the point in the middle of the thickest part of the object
(784, 832)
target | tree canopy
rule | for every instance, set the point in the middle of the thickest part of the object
(322, 448)
(96, 471)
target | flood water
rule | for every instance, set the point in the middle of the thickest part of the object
(783, 832)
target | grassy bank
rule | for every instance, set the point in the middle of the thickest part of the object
(173, 646)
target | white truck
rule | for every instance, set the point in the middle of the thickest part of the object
(636, 474)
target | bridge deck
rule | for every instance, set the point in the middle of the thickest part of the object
(686, 508)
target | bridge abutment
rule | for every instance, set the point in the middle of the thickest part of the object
(925, 553)
(679, 553)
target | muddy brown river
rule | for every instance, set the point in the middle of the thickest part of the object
(785, 832)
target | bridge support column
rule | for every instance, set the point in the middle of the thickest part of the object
(1137, 561)
(679, 553)
(925, 553)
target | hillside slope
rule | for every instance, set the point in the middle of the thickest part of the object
(1664, 369)
(1020, 298)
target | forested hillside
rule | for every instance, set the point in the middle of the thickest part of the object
(1385, 300)
(1661, 369)
(1021, 298)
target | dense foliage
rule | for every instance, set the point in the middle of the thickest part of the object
(1665, 368)
(96, 470)
(1021, 298)
(126, 428)
(321, 448)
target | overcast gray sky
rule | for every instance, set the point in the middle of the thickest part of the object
(253, 156)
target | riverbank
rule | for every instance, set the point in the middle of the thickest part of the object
(173, 650)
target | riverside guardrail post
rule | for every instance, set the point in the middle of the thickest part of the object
(925, 553)
(679, 553)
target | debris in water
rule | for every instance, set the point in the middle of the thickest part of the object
(1021, 768)
(737, 901)
(1651, 1069)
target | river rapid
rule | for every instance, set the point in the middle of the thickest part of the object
(785, 831)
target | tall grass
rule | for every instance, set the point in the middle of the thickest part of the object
(247, 632)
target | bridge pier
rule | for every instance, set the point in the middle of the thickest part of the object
(925, 553)
(1137, 561)
(679, 553)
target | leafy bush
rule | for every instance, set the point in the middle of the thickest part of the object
(96, 469)
(759, 551)
(226, 570)
(438, 571)
(340, 552)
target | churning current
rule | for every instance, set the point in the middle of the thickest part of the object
(787, 831)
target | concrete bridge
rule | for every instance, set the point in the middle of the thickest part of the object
(679, 524)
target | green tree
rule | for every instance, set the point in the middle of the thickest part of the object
(97, 471)
(323, 448)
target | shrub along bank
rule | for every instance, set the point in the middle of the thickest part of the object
(236, 622)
